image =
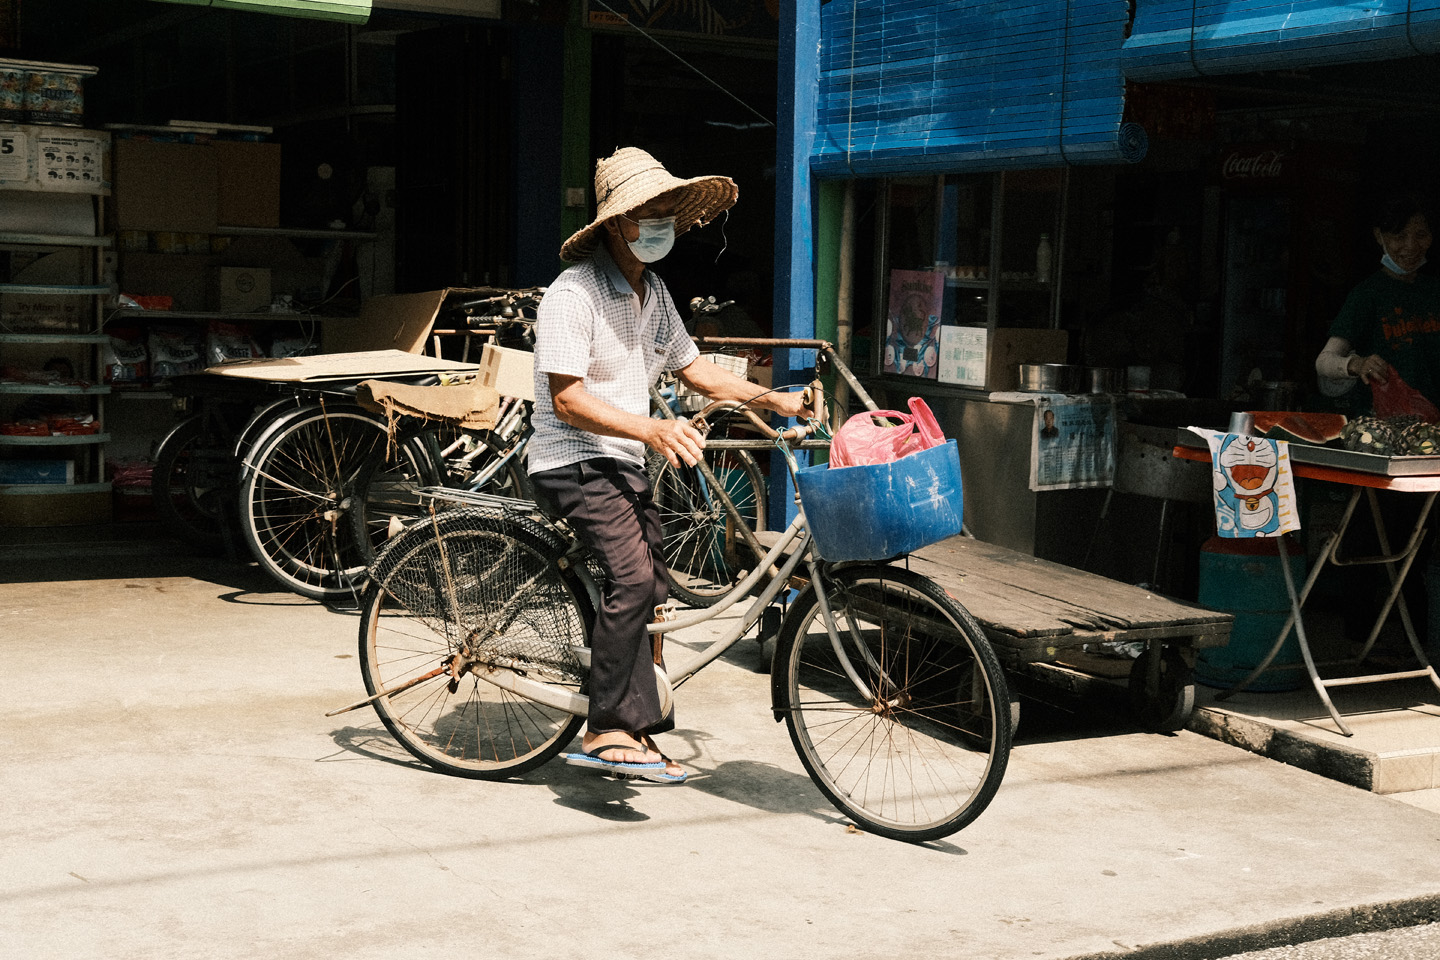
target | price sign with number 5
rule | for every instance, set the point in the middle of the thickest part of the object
(14, 157)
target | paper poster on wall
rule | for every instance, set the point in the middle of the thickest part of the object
(963, 355)
(1072, 444)
(912, 339)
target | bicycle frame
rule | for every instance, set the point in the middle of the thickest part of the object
(579, 705)
(797, 534)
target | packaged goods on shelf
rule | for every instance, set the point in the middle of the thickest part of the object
(124, 357)
(229, 341)
(174, 351)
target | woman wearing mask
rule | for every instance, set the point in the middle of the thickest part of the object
(1391, 318)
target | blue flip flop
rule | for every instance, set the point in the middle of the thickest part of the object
(593, 760)
(661, 777)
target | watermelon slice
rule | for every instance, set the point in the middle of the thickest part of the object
(1316, 428)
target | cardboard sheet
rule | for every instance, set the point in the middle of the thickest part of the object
(340, 366)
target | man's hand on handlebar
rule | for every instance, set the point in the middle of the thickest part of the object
(678, 441)
(793, 403)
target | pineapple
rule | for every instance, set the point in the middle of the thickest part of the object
(1371, 435)
(1420, 439)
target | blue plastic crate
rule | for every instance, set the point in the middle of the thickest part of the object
(882, 511)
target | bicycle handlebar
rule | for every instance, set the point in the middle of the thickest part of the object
(813, 400)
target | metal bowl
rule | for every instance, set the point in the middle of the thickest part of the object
(1104, 379)
(1049, 378)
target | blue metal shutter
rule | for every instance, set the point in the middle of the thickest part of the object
(1174, 39)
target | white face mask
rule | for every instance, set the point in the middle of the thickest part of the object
(1388, 262)
(655, 240)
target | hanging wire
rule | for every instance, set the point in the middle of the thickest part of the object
(698, 72)
(850, 118)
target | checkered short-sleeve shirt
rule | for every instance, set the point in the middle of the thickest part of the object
(592, 325)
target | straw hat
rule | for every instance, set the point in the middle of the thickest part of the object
(630, 178)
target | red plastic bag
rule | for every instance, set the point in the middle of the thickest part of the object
(867, 439)
(1396, 398)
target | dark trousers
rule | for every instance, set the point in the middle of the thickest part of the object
(608, 504)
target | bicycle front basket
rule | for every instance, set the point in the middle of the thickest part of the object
(878, 511)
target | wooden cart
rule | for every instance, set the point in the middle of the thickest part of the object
(1040, 615)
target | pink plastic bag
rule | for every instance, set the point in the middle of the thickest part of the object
(867, 439)
(1396, 398)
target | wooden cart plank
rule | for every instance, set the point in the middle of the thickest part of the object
(1031, 597)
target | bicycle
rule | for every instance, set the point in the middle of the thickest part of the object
(473, 650)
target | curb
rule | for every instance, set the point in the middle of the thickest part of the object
(1330, 760)
(1341, 922)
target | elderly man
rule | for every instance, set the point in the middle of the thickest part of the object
(607, 328)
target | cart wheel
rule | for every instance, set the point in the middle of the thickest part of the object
(1162, 689)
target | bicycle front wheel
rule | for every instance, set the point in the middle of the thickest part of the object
(904, 724)
(297, 492)
(454, 597)
(704, 556)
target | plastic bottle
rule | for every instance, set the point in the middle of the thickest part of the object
(1043, 256)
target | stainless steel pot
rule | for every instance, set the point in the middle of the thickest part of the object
(1104, 379)
(1049, 378)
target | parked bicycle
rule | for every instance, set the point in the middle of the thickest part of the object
(474, 654)
(275, 465)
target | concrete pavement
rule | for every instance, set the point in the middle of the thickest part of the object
(172, 788)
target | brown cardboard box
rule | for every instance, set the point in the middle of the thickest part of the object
(164, 186)
(400, 321)
(1010, 347)
(511, 372)
(244, 289)
(247, 183)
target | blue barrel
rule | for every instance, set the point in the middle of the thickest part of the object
(1243, 576)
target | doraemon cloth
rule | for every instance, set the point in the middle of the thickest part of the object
(1253, 484)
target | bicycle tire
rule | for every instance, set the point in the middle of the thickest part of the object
(296, 490)
(704, 559)
(437, 593)
(923, 761)
(190, 483)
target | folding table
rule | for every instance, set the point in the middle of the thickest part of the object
(1377, 473)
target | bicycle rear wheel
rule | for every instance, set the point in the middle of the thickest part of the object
(297, 489)
(704, 557)
(906, 727)
(194, 474)
(455, 596)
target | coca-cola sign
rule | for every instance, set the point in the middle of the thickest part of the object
(1253, 164)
